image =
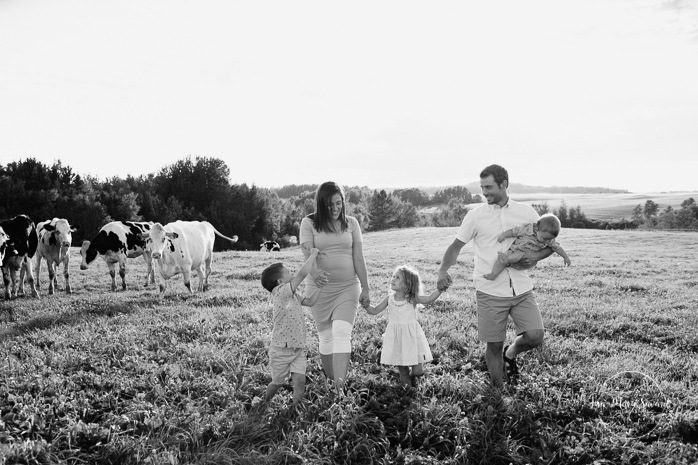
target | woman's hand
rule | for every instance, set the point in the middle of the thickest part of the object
(364, 298)
(321, 278)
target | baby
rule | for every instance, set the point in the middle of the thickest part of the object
(530, 240)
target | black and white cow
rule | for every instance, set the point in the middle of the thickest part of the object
(270, 246)
(183, 247)
(55, 239)
(116, 242)
(20, 247)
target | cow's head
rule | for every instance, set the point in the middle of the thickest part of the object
(3, 243)
(83, 253)
(61, 235)
(158, 241)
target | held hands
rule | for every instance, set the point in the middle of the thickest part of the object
(444, 282)
(321, 278)
(364, 298)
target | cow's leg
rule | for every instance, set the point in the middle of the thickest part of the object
(6, 281)
(27, 267)
(37, 270)
(122, 273)
(19, 288)
(13, 278)
(66, 275)
(112, 273)
(51, 267)
(150, 276)
(202, 278)
(186, 276)
(207, 263)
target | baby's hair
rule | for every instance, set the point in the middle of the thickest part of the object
(413, 283)
(549, 223)
(271, 276)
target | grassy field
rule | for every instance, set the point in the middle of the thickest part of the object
(124, 377)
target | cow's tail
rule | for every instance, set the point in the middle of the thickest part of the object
(33, 241)
(233, 239)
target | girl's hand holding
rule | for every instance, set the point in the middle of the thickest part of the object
(321, 278)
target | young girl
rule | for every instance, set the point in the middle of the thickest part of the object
(404, 342)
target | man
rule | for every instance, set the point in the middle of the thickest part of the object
(511, 293)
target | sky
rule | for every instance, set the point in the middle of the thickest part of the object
(372, 93)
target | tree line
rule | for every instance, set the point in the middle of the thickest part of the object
(648, 216)
(199, 189)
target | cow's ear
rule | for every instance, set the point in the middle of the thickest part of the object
(49, 227)
(74, 227)
(145, 235)
(172, 235)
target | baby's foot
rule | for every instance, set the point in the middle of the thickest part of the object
(489, 276)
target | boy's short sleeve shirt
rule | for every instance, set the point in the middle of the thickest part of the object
(288, 318)
(483, 225)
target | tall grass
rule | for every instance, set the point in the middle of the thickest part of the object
(124, 377)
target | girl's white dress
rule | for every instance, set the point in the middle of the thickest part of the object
(404, 342)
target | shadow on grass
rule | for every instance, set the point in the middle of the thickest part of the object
(78, 313)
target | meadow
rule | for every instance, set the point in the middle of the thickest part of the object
(125, 377)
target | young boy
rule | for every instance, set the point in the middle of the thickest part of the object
(532, 237)
(287, 348)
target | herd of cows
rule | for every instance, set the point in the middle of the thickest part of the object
(179, 247)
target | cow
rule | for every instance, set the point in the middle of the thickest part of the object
(55, 239)
(20, 247)
(116, 242)
(270, 246)
(183, 247)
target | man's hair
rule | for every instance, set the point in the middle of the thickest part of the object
(549, 223)
(271, 276)
(497, 172)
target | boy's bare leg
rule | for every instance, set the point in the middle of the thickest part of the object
(271, 391)
(298, 380)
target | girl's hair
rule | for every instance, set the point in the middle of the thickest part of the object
(413, 284)
(323, 201)
(549, 223)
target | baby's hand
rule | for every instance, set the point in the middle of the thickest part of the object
(314, 252)
(568, 262)
(501, 237)
(442, 287)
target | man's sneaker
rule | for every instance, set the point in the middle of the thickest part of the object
(510, 367)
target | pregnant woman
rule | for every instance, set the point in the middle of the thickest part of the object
(338, 237)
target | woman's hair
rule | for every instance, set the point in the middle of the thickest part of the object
(549, 223)
(271, 276)
(323, 201)
(413, 284)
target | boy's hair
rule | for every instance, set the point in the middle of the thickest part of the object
(497, 172)
(271, 276)
(549, 223)
(413, 283)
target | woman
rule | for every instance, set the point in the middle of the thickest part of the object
(338, 237)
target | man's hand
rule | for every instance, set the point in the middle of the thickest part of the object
(444, 281)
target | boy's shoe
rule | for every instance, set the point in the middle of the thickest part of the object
(510, 367)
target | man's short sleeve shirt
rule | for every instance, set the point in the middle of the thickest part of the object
(483, 225)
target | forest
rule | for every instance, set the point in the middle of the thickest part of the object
(199, 189)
